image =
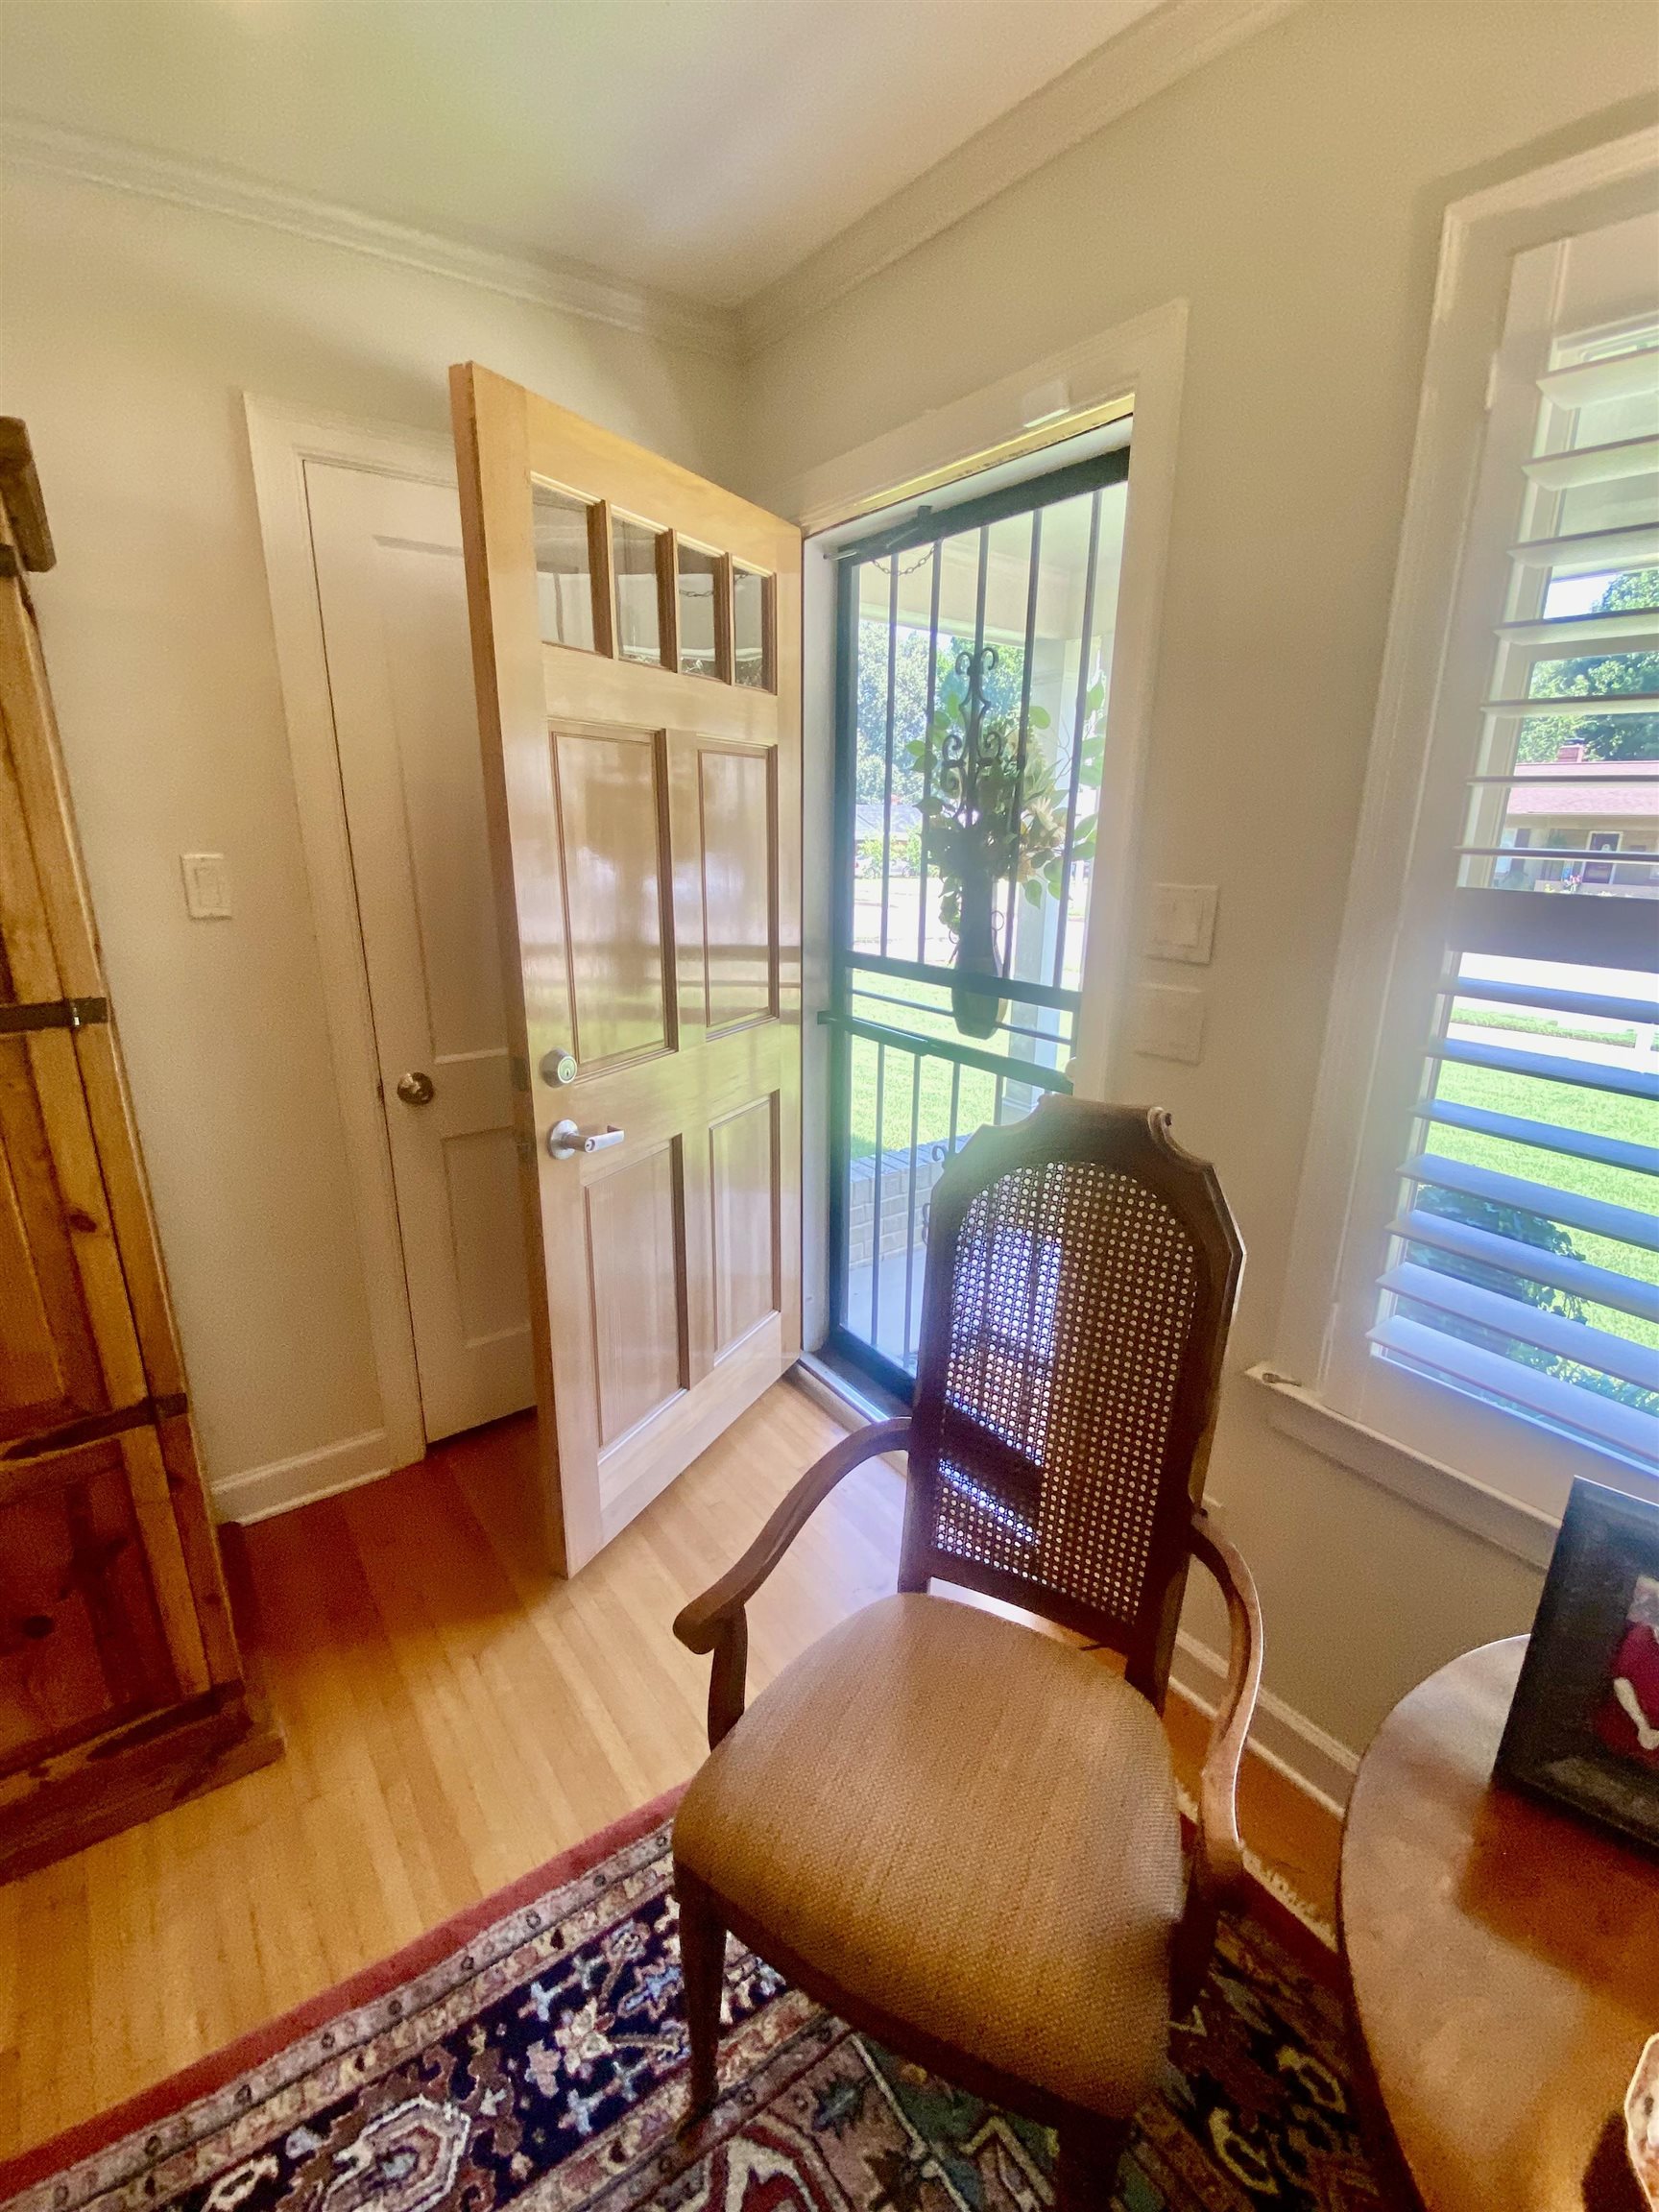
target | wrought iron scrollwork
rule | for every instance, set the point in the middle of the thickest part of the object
(964, 748)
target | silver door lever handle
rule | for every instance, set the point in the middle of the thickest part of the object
(565, 1140)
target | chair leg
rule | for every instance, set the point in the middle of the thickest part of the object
(703, 1971)
(1091, 2151)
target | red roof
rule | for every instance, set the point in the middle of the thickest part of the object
(1599, 787)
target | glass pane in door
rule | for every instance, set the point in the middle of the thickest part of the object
(748, 598)
(699, 587)
(564, 567)
(633, 562)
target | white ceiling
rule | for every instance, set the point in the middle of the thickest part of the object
(702, 147)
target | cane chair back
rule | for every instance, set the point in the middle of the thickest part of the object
(1082, 1271)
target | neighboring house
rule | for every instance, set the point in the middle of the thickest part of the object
(1585, 806)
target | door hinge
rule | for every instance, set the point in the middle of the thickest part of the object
(52, 1014)
(525, 1147)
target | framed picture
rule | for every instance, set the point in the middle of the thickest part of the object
(1584, 1728)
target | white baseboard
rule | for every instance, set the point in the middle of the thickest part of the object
(258, 1492)
(1287, 1740)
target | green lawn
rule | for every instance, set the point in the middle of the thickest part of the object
(975, 1103)
(926, 1013)
(1528, 1097)
(1599, 1113)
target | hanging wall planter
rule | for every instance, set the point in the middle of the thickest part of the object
(991, 815)
(978, 1013)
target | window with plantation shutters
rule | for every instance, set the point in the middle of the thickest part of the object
(1523, 1263)
(1496, 1306)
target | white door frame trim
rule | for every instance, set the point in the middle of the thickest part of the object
(281, 440)
(1143, 360)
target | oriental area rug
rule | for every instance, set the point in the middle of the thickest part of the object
(531, 2054)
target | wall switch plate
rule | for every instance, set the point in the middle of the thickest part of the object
(1182, 925)
(1169, 1022)
(206, 886)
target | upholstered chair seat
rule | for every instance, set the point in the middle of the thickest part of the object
(967, 1825)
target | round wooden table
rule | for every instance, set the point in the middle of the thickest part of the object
(1503, 1960)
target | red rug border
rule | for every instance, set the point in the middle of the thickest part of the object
(211, 2072)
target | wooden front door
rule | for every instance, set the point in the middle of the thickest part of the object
(635, 639)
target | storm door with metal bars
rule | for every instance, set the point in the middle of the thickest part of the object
(973, 658)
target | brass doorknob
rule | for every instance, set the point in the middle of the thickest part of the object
(416, 1089)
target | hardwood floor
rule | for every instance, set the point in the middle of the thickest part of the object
(453, 1717)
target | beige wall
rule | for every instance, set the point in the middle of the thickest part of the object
(131, 329)
(1292, 193)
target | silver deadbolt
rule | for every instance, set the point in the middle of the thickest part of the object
(558, 1068)
(416, 1089)
(565, 1140)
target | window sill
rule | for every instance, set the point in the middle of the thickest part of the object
(1521, 1530)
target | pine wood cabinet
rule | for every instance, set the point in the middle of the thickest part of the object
(121, 1687)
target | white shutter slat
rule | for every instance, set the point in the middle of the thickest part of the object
(1617, 1355)
(1542, 1136)
(1637, 632)
(1621, 933)
(1516, 1060)
(1615, 377)
(1622, 1427)
(1623, 1224)
(1594, 463)
(1578, 1278)
(1498, 991)
(1634, 545)
(1623, 857)
(1578, 703)
(1643, 772)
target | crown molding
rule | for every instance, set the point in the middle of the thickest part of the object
(1152, 54)
(566, 287)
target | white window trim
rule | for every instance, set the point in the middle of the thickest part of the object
(1480, 239)
(1016, 420)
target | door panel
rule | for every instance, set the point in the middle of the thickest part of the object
(743, 1196)
(739, 836)
(636, 1265)
(636, 638)
(607, 789)
(392, 587)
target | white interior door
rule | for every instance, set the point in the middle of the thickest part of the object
(393, 593)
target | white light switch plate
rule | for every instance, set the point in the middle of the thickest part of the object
(206, 886)
(1169, 1022)
(1182, 924)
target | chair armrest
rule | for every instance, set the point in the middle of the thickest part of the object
(1217, 1874)
(715, 1621)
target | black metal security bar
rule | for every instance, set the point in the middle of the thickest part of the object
(910, 1082)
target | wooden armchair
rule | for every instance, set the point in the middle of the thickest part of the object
(958, 1834)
